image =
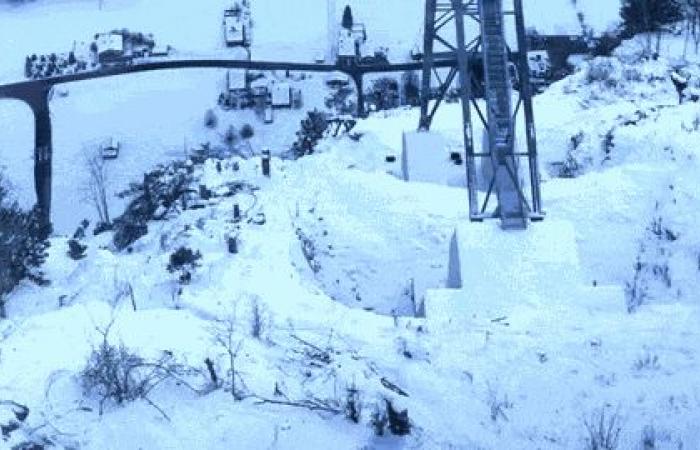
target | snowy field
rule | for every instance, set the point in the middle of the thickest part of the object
(319, 299)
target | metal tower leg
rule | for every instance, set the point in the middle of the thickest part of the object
(487, 47)
(465, 82)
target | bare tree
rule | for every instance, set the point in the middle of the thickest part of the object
(691, 13)
(224, 334)
(97, 183)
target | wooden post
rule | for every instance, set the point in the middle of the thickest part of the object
(266, 163)
(236, 212)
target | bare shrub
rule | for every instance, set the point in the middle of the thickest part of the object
(353, 405)
(647, 362)
(648, 438)
(603, 431)
(116, 373)
(397, 422)
(257, 322)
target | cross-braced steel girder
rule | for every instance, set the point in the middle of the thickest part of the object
(486, 48)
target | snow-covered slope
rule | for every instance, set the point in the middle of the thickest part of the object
(341, 235)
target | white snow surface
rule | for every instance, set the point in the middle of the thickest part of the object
(502, 373)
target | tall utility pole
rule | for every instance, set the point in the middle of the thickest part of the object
(485, 49)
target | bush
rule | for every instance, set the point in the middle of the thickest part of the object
(384, 93)
(210, 119)
(411, 88)
(247, 131)
(153, 198)
(342, 100)
(230, 137)
(184, 261)
(76, 250)
(23, 244)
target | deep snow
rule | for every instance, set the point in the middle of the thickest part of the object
(492, 371)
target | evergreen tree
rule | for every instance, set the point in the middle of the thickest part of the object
(312, 129)
(646, 16)
(347, 18)
(23, 246)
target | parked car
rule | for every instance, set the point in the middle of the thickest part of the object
(110, 148)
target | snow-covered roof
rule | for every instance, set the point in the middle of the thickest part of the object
(235, 79)
(109, 42)
(281, 94)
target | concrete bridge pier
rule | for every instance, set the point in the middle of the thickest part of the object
(38, 101)
(358, 79)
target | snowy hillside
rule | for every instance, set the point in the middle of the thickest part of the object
(286, 311)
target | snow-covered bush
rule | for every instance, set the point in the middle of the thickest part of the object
(577, 158)
(23, 246)
(608, 71)
(608, 79)
(652, 270)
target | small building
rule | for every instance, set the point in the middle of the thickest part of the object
(236, 80)
(281, 93)
(351, 40)
(235, 28)
(160, 50)
(110, 47)
(259, 87)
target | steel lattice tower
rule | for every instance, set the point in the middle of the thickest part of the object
(486, 49)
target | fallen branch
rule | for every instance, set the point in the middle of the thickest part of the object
(392, 387)
(312, 405)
